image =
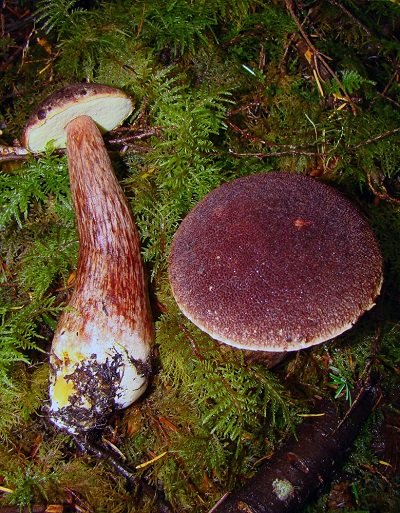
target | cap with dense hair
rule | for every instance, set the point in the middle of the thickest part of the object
(107, 106)
(275, 262)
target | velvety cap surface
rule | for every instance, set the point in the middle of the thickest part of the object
(275, 262)
(107, 106)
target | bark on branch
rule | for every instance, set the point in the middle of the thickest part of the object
(305, 463)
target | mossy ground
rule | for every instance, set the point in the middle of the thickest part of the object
(223, 89)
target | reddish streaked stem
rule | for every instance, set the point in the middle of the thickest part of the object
(100, 351)
(109, 254)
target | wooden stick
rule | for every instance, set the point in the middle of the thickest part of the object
(317, 54)
(100, 452)
(306, 462)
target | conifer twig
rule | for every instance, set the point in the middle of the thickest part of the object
(387, 98)
(12, 153)
(390, 81)
(192, 342)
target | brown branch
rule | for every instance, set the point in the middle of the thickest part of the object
(134, 136)
(284, 153)
(381, 194)
(290, 41)
(13, 153)
(391, 80)
(245, 134)
(100, 452)
(387, 98)
(12, 158)
(351, 16)
(306, 462)
(268, 144)
(298, 150)
(379, 137)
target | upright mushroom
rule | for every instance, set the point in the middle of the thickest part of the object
(275, 262)
(100, 352)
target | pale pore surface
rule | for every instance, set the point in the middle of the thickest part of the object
(107, 112)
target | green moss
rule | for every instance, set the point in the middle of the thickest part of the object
(225, 90)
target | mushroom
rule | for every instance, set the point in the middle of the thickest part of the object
(274, 262)
(99, 357)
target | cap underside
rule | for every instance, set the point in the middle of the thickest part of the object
(108, 110)
(275, 262)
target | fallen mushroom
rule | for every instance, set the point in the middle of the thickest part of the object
(274, 262)
(99, 357)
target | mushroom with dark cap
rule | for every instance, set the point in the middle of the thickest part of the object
(100, 352)
(275, 262)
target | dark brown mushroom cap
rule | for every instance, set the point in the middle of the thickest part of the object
(275, 262)
(107, 106)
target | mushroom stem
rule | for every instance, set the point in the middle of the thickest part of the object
(100, 351)
(108, 237)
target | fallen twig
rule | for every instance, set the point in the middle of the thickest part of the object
(134, 135)
(284, 153)
(100, 452)
(12, 153)
(355, 20)
(318, 56)
(381, 193)
(306, 462)
(377, 138)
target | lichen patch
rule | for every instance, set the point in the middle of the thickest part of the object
(283, 489)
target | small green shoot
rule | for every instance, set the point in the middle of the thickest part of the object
(341, 383)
